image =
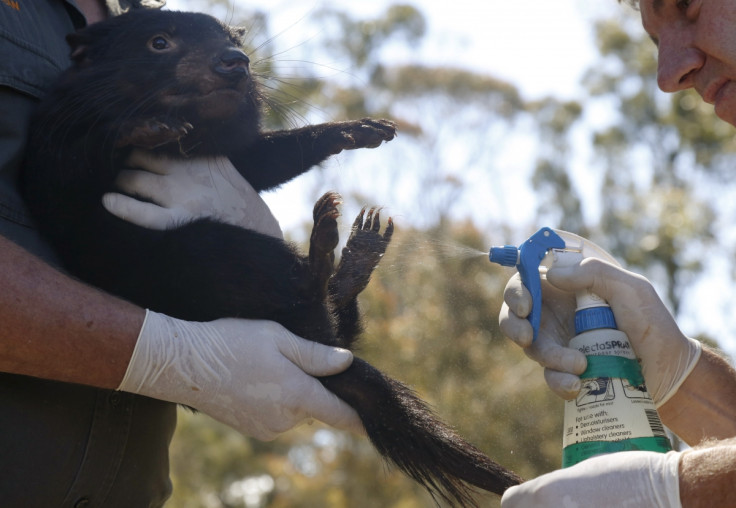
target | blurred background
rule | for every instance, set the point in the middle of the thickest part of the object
(512, 116)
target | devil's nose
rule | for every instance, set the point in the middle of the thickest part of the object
(233, 62)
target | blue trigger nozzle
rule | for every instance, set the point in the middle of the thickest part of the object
(508, 255)
(527, 259)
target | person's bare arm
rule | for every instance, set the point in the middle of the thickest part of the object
(54, 327)
(707, 476)
(704, 407)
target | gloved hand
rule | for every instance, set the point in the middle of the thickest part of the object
(254, 376)
(667, 356)
(181, 190)
(632, 479)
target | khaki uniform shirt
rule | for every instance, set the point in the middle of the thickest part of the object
(64, 445)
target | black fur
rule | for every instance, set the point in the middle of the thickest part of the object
(176, 83)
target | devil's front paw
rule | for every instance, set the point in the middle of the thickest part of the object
(152, 133)
(363, 251)
(365, 133)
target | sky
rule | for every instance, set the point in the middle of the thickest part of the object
(540, 45)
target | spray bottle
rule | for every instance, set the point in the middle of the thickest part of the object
(613, 411)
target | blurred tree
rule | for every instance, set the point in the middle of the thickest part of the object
(431, 307)
(558, 199)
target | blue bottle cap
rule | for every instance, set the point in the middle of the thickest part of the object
(594, 318)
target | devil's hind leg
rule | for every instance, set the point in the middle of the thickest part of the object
(364, 249)
(323, 241)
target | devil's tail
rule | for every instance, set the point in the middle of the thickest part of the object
(405, 430)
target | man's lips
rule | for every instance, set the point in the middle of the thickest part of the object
(711, 93)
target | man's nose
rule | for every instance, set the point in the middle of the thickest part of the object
(677, 64)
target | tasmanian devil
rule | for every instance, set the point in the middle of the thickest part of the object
(178, 84)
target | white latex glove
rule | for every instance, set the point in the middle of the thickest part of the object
(631, 479)
(667, 356)
(181, 190)
(254, 376)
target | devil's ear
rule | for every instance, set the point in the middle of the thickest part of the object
(82, 41)
(79, 46)
(237, 34)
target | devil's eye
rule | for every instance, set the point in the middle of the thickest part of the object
(159, 43)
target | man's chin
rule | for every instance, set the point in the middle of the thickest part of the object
(725, 103)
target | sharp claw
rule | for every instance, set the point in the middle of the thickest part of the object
(369, 219)
(328, 200)
(389, 230)
(358, 221)
(377, 221)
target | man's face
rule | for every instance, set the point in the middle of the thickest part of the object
(697, 48)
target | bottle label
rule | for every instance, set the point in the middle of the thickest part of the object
(613, 411)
